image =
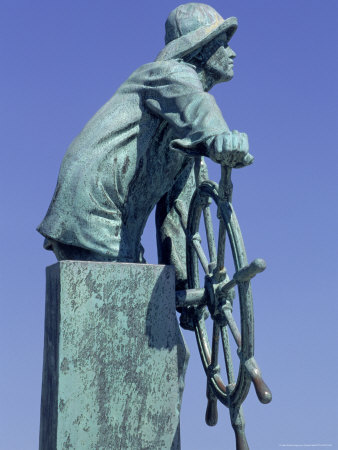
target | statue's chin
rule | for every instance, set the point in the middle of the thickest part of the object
(226, 76)
(216, 75)
(229, 75)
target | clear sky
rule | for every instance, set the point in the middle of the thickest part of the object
(60, 62)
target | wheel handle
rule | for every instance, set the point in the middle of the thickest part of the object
(263, 392)
(211, 414)
(244, 274)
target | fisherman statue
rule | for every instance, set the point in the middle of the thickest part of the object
(136, 152)
(144, 148)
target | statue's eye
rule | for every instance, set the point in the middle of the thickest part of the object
(222, 42)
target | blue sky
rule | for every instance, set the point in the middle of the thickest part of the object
(60, 62)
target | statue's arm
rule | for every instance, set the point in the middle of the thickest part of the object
(196, 120)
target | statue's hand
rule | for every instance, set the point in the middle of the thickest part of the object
(232, 149)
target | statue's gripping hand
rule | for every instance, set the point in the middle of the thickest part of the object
(231, 149)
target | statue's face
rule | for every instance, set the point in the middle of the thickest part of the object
(218, 57)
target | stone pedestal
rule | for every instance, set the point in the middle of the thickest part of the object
(114, 358)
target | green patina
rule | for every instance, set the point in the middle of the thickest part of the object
(115, 358)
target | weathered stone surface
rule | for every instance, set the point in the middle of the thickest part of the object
(114, 358)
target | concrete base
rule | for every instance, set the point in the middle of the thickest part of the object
(114, 358)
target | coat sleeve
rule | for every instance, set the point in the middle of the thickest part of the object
(177, 96)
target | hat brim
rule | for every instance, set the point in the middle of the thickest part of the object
(180, 47)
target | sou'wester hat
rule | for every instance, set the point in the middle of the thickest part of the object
(191, 26)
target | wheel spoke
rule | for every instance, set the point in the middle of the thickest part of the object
(202, 337)
(215, 345)
(196, 242)
(210, 233)
(227, 354)
(233, 327)
(221, 245)
(190, 297)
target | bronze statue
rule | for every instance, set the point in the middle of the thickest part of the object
(145, 147)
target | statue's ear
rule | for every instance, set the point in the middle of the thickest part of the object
(199, 56)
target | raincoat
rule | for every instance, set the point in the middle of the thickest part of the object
(136, 150)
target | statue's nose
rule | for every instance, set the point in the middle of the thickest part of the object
(231, 53)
